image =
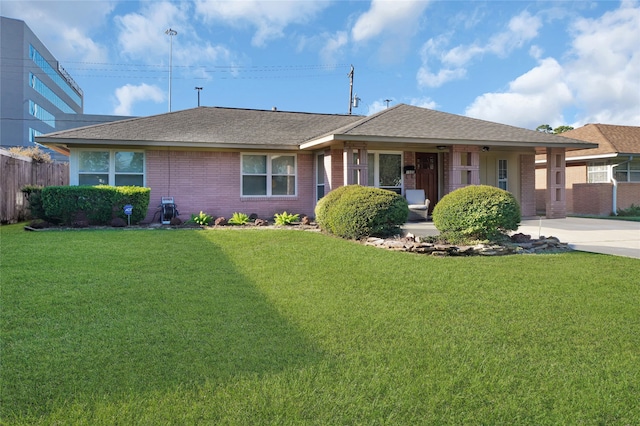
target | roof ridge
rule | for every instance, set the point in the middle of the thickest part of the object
(271, 110)
(368, 118)
(606, 138)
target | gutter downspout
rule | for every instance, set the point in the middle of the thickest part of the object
(615, 185)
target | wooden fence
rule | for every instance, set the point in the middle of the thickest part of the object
(17, 171)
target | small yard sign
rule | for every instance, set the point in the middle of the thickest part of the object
(128, 209)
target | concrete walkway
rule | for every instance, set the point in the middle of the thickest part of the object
(616, 237)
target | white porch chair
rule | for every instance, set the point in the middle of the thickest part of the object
(418, 204)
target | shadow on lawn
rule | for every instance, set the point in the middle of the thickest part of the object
(179, 315)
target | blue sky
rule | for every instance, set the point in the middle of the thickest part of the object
(522, 63)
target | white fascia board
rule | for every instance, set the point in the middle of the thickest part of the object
(318, 142)
(584, 158)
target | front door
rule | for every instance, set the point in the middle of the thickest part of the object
(427, 176)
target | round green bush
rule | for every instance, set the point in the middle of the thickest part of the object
(356, 212)
(477, 212)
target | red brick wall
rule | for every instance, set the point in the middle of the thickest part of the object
(527, 184)
(211, 182)
(592, 198)
(628, 193)
(588, 199)
(555, 195)
(409, 160)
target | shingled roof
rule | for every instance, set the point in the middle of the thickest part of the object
(209, 127)
(611, 139)
(411, 124)
(215, 127)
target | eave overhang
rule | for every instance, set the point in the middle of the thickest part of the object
(61, 144)
(540, 147)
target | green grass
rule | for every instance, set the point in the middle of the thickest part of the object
(288, 327)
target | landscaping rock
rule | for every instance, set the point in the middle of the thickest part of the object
(220, 221)
(411, 243)
(261, 222)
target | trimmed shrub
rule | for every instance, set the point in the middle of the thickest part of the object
(33, 194)
(632, 210)
(477, 212)
(356, 212)
(99, 204)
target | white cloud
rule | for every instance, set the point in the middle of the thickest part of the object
(425, 76)
(536, 97)
(333, 46)
(64, 27)
(425, 102)
(376, 106)
(604, 68)
(536, 52)
(142, 36)
(520, 29)
(385, 17)
(269, 18)
(599, 79)
(394, 23)
(141, 33)
(129, 94)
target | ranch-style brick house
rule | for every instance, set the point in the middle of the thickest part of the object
(225, 160)
(599, 181)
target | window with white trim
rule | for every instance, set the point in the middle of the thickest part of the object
(628, 172)
(503, 175)
(268, 175)
(319, 176)
(384, 170)
(597, 172)
(110, 167)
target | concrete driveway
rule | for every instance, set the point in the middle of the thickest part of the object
(616, 237)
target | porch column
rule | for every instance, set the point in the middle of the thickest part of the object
(462, 167)
(409, 160)
(555, 197)
(356, 168)
(334, 169)
(528, 184)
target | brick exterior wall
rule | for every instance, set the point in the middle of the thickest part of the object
(597, 198)
(592, 198)
(587, 198)
(211, 182)
(409, 160)
(575, 173)
(628, 193)
(527, 184)
(336, 174)
(555, 196)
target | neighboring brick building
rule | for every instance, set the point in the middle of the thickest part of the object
(223, 160)
(602, 180)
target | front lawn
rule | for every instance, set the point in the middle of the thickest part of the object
(288, 327)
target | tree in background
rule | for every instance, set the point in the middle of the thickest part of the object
(545, 128)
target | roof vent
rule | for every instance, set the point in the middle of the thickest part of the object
(274, 109)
